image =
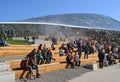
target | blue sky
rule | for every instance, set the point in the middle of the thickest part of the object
(12, 10)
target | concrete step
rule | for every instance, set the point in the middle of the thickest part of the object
(7, 76)
(4, 66)
(16, 53)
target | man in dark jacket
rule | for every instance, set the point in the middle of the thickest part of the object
(101, 59)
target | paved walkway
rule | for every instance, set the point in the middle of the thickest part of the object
(107, 74)
(62, 75)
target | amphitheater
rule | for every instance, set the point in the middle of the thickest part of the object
(13, 54)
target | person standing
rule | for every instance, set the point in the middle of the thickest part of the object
(86, 51)
(101, 56)
(79, 51)
(33, 38)
(77, 60)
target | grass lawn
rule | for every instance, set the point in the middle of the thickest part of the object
(18, 42)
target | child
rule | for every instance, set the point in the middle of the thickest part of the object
(72, 60)
(77, 60)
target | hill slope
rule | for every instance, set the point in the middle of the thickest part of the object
(89, 20)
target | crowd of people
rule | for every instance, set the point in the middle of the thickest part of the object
(73, 51)
(107, 54)
(107, 46)
(100, 42)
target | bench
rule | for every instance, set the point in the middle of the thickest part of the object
(43, 69)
